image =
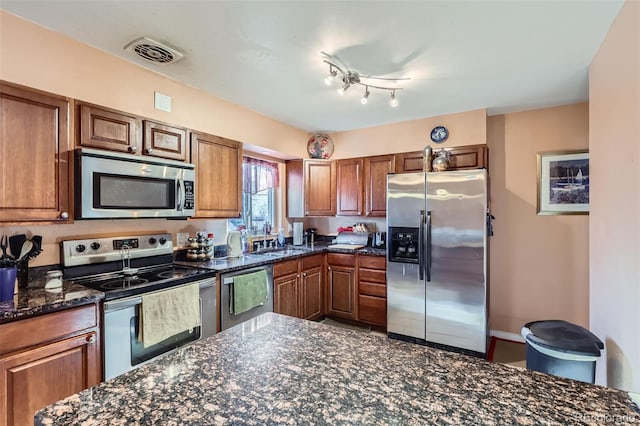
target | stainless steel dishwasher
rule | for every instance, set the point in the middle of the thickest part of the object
(229, 319)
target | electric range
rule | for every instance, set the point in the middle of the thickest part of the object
(126, 266)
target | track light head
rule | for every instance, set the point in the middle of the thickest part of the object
(344, 88)
(365, 96)
(393, 101)
(329, 78)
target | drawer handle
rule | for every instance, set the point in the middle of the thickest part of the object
(91, 339)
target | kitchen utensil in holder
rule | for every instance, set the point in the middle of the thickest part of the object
(23, 274)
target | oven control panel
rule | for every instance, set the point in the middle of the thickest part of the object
(99, 250)
(131, 243)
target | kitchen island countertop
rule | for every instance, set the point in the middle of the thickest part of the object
(281, 370)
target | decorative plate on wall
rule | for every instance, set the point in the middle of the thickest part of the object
(439, 134)
(320, 146)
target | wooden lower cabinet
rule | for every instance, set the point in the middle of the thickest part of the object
(66, 360)
(372, 290)
(285, 295)
(311, 294)
(298, 289)
(341, 285)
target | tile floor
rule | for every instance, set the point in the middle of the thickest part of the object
(505, 352)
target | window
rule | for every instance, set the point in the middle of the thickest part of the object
(259, 178)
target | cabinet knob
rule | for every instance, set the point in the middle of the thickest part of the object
(304, 274)
(132, 149)
(148, 151)
(91, 339)
(64, 215)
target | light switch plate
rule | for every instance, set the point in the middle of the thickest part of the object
(162, 102)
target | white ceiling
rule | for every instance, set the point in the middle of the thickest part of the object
(504, 55)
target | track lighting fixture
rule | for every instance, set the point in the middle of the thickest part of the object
(365, 96)
(350, 78)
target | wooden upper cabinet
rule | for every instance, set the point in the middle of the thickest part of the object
(407, 162)
(349, 186)
(34, 156)
(164, 140)
(319, 188)
(218, 176)
(375, 183)
(461, 158)
(109, 129)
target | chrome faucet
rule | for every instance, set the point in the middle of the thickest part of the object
(125, 257)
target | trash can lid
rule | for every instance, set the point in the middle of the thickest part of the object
(564, 336)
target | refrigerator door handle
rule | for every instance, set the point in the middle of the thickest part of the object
(421, 246)
(428, 262)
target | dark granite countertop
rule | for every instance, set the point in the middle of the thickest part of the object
(281, 370)
(224, 265)
(36, 300)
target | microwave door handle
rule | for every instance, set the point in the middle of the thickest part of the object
(180, 197)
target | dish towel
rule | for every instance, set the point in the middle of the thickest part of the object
(249, 291)
(169, 312)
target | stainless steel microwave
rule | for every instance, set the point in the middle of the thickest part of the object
(119, 186)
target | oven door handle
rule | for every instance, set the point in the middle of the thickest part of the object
(115, 305)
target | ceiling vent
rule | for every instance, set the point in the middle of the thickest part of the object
(153, 51)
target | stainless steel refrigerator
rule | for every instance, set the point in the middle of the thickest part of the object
(437, 289)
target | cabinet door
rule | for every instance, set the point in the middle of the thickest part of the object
(372, 310)
(460, 158)
(163, 140)
(319, 188)
(35, 378)
(349, 186)
(109, 129)
(34, 156)
(285, 295)
(375, 183)
(407, 162)
(341, 291)
(218, 175)
(311, 294)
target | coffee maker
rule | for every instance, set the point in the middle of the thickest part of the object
(379, 240)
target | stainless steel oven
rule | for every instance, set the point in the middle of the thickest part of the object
(227, 317)
(127, 269)
(114, 185)
(123, 350)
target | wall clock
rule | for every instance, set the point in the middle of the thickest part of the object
(439, 134)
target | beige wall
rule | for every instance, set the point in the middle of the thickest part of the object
(614, 91)
(37, 57)
(75, 70)
(465, 128)
(538, 264)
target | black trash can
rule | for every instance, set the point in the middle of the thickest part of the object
(562, 349)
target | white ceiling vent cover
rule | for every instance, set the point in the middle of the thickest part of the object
(153, 51)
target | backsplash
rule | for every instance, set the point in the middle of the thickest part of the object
(53, 234)
(330, 225)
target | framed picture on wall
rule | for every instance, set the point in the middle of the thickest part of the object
(563, 182)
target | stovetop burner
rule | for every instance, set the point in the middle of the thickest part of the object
(123, 282)
(101, 262)
(116, 284)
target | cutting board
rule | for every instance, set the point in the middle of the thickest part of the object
(347, 246)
